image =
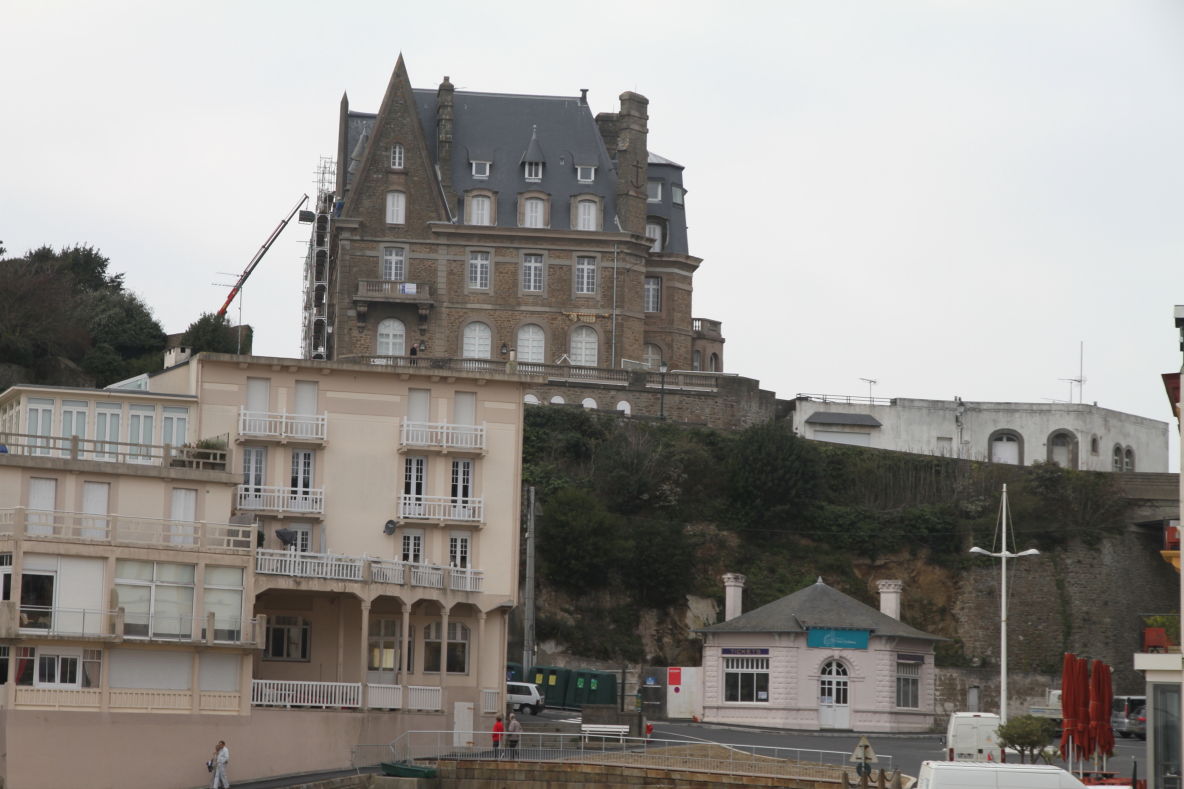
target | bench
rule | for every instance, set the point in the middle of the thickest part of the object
(618, 730)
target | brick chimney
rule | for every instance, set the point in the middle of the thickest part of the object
(733, 595)
(444, 137)
(632, 156)
(890, 597)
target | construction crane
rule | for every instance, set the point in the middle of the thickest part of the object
(259, 256)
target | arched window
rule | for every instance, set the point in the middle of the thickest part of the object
(713, 363)
(396, 208)
(1117, 462)
(1128, 460)
(833, 683)
(624, 407)
(584, 346)
(534, 212)
(655, 233)
(480, 210)
(1062, 449)
(392, 337)
(1093, 445)
(587, 215)
(558, 400)
(530, 343)
(397, 156)
(478, 341)
(651, 356)
(1006, 446)
(530, 400)
(588, 402)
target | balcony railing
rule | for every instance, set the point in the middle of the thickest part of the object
(427, 575)
(320, 695)
(441, 508)
(54, 621)
(443, 436)
(424, 698)
(708, 329)
(122, 530)
(282, 426)
(78, 448)
(464, 579)
(844, 399)
(98, 623)
(309, 565)
(384, 697)
(336, 567)
(390, 290)
(305, 501)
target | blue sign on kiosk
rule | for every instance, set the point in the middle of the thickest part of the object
(828, 638)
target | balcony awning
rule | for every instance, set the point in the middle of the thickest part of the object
(836, 418)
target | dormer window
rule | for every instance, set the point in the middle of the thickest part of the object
(534, 171)
(585, 173)
(397, 156)
(653, 191)
(481, 169)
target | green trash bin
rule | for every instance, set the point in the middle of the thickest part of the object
(552, 682)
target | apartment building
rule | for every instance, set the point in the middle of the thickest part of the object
(294, 556)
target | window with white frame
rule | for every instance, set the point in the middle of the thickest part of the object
(392, 337)
(384, 639)
(585, 173)
(157, 598)
(585, 274)
(677, 194)
(414, 486)
(653, 191)
(587, 215)
(397, 156)
(288, 638)
(746, 679)
(534, 212)
(411, 546)
(651, 356)
(224, 599)
(584, 346)
(532, 273)
(39, 415)
(653, 294)
(66, 667)
(534, 171)
(1128, 459)
(394, 263)
(107, 421)
(457, 649)
(1116, 464)
(141, 424)
(477, 341)
(74, 422)
(479, 270)
(481, 169)
(396, 208)
(480, 210)
(908, 683)
(458, 549)
(461, 488)
(531, 343)
(175, 426)
(653, 231)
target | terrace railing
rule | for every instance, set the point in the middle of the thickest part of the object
(124, 530)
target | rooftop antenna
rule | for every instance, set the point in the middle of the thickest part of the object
(1080, 379)
(870, 383)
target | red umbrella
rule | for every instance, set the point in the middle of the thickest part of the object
(1101, 697)
(1083, 743)
(1068, 705)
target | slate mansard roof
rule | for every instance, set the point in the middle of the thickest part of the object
(818, 606)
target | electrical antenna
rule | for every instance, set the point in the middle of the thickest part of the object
(870, 383)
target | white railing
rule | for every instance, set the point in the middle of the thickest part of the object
(443, 508)
(288, 693)
(384, 697)
(384, 571)
(160, 627)
(309, 565)
(151, 700)
(279, 499)
(442, 435)
(283, 425)
(465, 579)
(491, 701)
(119, 529)
(427, 575)
(219, 701)
(78, 448)
(424, 698)
(58, 698)
(65, 621)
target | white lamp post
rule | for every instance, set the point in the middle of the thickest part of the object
(1004, 555)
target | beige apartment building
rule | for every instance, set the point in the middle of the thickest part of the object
(294, 556)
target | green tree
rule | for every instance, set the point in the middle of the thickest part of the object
(581, 545)
(1028, 734)
(212, 332)
(772, 474)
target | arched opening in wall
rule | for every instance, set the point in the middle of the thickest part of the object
(834, 710)
(1093, 445)
(392, 337)
(713, 363)
(624, 407)
(1116, 463)
(558, 400)
(1006, 446)
(477, 341)
(651, 356)
(1128, 459)
(588, 402)
(584, 346)
(530, 399)
(531, 344)
(1062, 449)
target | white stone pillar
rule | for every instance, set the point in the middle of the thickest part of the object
(733, 595)
(890, 597)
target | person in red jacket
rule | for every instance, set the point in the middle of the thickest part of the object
(498, 731)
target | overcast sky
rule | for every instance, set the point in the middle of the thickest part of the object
(946, 197)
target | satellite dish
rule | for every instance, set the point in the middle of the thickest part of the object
(287, 537)
(389, 527)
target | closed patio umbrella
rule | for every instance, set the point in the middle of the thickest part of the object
(1068, 705)
(1101, 698)
(1083, 743)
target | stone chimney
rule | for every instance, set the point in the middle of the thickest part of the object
(632, 156)
(444, 137)
(733, 595)
(890, 597)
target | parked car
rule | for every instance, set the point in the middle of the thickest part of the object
(1122, 713)
(524, 696)
(1137, 723)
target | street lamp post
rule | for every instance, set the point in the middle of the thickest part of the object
(662, 368)
(1003, 555)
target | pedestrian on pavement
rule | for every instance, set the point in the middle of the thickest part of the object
(498, 732)
(513, 734)
(218, 762)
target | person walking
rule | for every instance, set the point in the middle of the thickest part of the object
(513, 734)
(499, 731)
(218, 763)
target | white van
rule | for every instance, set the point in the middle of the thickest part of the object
(993, 775)
(970, 737)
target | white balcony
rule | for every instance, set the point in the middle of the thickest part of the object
(76, 622)
(442, 436)
(79, 448)
(318, 695)
(309, 565)
(441, 508)
(131, 625)
(122, 530)
(424, 698)
(427, 575)
(282, 426)
(384, 697)
(463, 579)
(336, 567)
(269, 498)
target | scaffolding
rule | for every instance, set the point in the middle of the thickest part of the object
(315, 340)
